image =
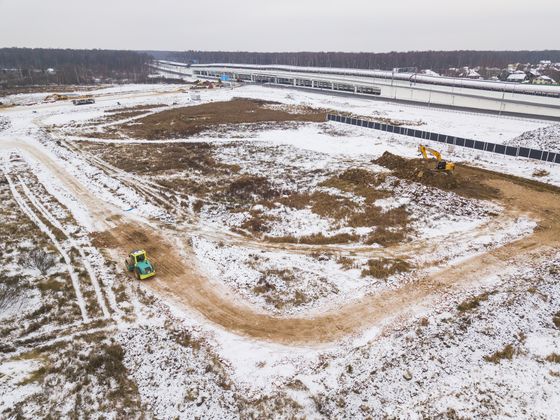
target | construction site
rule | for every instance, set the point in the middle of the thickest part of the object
(235, 250)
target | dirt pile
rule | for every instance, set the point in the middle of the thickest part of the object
(187, 121)
(424, 172)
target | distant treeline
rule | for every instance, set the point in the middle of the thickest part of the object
(31, 66)
(435, 60)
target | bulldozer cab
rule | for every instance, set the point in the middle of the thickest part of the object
(136, 257)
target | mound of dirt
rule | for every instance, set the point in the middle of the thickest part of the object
(187, 121)
(424, 172)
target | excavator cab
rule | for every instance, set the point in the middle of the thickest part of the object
(441, 164)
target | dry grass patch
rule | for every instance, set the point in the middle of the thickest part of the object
(383, 268)
(539, 173)
(143, 107)
(506, 353)
(386, 237)
(472, 303)
(189, 168)
(251, 188)
(359, 182)
(553, 358)
(391, 225)
(316, 239)
(279, 299)
(347, 263)
(258, 223)
(556, 320)
(320, 203)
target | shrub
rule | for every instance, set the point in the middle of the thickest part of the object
(38, 259)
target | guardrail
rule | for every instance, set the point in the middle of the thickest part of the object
(483, 146)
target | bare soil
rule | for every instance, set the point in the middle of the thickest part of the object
(187, 121)
(424, 172)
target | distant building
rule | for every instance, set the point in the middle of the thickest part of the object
(429, 72)
(471, 74)
(491, 72)
(543, 80)
(517, 76)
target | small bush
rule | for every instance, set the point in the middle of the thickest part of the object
(383, 268)
(346, 263)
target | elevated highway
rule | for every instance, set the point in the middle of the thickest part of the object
(540, 101)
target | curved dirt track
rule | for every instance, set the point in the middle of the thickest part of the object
(179, 280)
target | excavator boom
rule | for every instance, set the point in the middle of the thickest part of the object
(441, 164)
(423, 149)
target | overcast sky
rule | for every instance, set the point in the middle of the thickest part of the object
(282, 25)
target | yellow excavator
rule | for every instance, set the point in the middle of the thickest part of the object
(441, 165)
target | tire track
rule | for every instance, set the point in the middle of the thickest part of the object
(84, 260)
(44, 228)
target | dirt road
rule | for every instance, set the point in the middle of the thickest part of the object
(180, 281)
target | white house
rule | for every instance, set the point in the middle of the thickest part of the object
(517, 76)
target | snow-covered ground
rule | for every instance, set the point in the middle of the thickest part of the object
(544, 138)
(489, 350)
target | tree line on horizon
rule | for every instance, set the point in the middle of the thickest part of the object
(436, 60)
(38, 66)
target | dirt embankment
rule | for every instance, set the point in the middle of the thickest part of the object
(187, 121)
(470, 185)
